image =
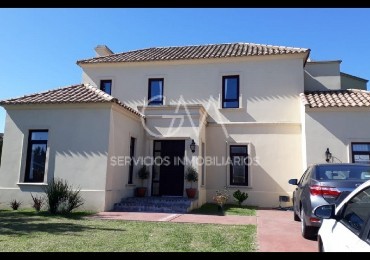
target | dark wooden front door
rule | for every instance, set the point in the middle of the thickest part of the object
(171, 172)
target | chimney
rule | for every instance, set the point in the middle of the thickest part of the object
(102, 50)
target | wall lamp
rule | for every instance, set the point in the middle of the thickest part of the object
(328, 155)
(192, 146)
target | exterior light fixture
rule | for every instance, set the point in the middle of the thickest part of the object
(192, 146)
(328, 155)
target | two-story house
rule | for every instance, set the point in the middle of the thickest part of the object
(246, 116)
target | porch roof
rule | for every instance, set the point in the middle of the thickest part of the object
(336, 98)
(80, 93)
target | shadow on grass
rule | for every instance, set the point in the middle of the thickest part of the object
(20, 223)
(228, 209)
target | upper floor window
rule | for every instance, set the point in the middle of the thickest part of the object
(230, 91)
(239, 165)
(106, 86)
(361, 152)
(155, 92)
(36, 156)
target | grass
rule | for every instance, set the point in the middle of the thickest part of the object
(229, 209)
(26, 230)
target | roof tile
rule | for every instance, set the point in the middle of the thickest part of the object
(336, 98)
(196, 52)
(69, 95)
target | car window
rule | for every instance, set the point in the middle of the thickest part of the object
(340, 172)
(303, 176)
(357, 211)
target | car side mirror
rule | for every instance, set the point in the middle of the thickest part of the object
(293, 181)
(325, 211)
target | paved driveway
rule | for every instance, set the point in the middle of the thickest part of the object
(276, 229)
(278, 232)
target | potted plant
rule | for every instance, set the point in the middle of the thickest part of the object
(191, 176)
(143, 174)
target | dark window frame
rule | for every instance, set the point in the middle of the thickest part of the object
(29, 153)
(224, 99)
(102, 82)
(132, 155)
(150, 91)
(359, 152)
(246, 171)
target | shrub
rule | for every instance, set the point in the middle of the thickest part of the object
(191, 175)
(14, 204)
(221, 197)
(143, 174)
(37, 202)
(61, 198)
(240, 196)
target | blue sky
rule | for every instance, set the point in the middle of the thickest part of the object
(39, 47)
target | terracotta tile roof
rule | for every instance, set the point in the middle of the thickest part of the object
(69, 95)
(196, 52)
(336, 98)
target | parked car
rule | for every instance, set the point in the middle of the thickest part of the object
(346, 227)
(323, 184)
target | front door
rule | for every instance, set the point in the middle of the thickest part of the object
(169, 176)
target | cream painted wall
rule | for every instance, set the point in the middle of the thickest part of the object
(324, 75)
(269, 86)
(77, 150)
(275, 154)
(335, 129)
(123, 126)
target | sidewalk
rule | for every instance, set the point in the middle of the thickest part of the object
(183, 218)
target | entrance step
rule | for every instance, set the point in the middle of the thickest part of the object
(155, 204)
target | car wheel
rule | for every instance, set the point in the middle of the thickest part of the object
(307, 231)
(321, 246)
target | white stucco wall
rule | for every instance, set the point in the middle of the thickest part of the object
(123, 126)
(322, 75)
(77, 150)
(266, 84)
(348, 81)
(275, 155)
(335, 128)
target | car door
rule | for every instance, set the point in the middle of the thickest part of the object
(299, 189)
(350, 232)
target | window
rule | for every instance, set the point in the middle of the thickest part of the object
(36, 156)
(356, 211)
(156, 170)
(230, 91)
(132, 154)
(106, 86)
(155, 92)
(239, 165)
(361, 152)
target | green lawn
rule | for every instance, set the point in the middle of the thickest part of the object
(229, 209)
(26, 230)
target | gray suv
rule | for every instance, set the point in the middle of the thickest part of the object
(323, 184)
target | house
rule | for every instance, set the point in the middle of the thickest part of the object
(1, 144)
(247, 116)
